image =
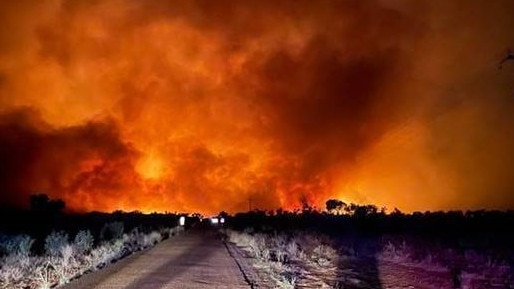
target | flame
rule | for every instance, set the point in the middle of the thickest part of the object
(150, 167)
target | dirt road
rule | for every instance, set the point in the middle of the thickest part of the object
(196, 259)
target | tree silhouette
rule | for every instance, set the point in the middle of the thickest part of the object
(334, 205)
(41, 203)
(361, 211)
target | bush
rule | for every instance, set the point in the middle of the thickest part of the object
(154, 237)
(63, 260)
(112, 231)
(18, 245)
(55, 242)
(83, 242)
(323, 254)
(293, 250)
(11, 272)
(259, 247)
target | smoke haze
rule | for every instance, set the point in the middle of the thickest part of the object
(202, 105)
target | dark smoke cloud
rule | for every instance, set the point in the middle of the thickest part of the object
(37, 158)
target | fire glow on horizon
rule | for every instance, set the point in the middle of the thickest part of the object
(202, 105)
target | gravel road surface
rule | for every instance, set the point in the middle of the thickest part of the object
(196, 259)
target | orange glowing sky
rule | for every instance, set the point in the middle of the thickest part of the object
(201, 105)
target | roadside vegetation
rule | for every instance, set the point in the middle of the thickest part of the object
(44, 247)
(283, 258)
(357, 246)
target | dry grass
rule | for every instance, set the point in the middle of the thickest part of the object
(66, 260)
(282, 256)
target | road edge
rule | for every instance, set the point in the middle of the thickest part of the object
(249, 274)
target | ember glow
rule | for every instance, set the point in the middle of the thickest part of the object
(205, 105)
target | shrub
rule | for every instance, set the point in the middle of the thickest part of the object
(394, 252)
(259, 247)
(83, 242)
(165, 233)
(64, 260)
(11, 272)
(293, 250)
(325, 251)
(323, 254)
(67, 255)
(112, 231)
(154, 238)
(64, 267)
(55, 242)
(44, 276)
(18, 245)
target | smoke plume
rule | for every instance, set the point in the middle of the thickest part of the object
(204, 105)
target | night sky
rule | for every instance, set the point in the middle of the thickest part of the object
(201, 105)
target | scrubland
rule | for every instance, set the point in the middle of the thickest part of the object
(46, 251)
(372, 249)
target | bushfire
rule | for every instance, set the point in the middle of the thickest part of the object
(204, 105)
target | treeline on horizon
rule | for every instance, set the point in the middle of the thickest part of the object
(361, 227)
(491, 227)
(46, 215)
